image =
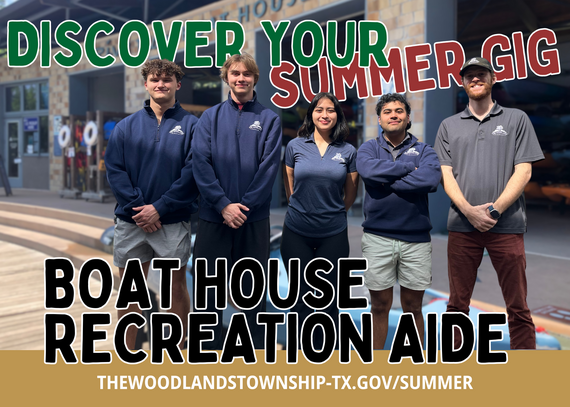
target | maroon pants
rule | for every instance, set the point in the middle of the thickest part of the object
(464, 255)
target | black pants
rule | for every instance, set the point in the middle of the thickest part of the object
(216, 240)
(295, 246)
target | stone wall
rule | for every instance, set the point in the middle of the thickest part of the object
(405, 21)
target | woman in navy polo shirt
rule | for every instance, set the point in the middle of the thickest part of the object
(321, 186)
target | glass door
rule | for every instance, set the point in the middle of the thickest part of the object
(14, 152)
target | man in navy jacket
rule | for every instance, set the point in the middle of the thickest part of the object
(237, 156)
(399, 172)
(149, 168)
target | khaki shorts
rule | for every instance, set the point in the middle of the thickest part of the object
(172, 241)
(391, 260)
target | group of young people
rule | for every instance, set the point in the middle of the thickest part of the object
(160, 159)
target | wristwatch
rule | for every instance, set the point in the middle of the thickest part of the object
(495, 214)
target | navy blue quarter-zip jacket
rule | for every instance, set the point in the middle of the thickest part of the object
(148, 163)
(236, 158)
(396, 202)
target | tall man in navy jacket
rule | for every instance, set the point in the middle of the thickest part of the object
(399, 172)
(237, 155)
(149, 168)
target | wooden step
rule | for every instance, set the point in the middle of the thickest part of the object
(85, 235)
(69, 216)
(57, 247)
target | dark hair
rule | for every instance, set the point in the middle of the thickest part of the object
(160, 67)
(340, 131)
(393, 97)
(246, 59)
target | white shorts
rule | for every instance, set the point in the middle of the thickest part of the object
(170, 242)
(391, 260)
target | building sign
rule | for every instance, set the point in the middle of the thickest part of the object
(31, 124)
(257, 9)
(109, 48)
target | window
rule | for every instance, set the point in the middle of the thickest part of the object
(35, 96)
(13, 99)
(36, 135)
(44, 96)
(30, 97)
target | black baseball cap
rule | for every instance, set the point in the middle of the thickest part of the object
(477, 61)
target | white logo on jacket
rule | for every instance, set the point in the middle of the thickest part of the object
(177, 130)
(256, 126)
(338, 157)
(499, 131)
(412, 151)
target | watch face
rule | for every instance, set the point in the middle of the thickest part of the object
(495, 214)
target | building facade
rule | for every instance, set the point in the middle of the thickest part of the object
(37, 101)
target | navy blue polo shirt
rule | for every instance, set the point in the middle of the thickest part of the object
(316, 207)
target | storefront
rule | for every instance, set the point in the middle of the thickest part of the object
(35, 101)
(26, 145)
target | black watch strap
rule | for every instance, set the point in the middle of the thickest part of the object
(495, 214)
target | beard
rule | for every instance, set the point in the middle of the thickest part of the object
(481, 94)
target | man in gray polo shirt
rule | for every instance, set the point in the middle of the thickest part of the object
(486, 153)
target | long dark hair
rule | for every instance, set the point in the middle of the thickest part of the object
(340, 131)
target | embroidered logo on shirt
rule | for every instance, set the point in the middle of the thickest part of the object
(499, 131)
(256, 126)
(338, 157)
(412, 151)
(177, 130)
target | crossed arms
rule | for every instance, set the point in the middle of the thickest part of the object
(399, 176)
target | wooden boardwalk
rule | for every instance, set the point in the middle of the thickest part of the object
(22, 301)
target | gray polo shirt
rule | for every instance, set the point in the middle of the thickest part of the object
(483, 155)
(395, 150)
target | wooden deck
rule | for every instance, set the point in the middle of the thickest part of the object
(22, 301)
